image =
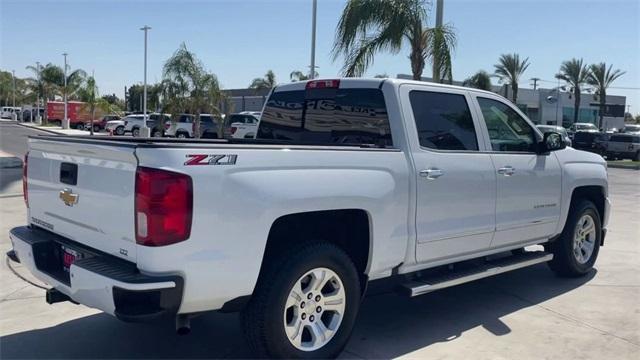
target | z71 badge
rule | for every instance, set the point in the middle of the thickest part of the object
(203, 159)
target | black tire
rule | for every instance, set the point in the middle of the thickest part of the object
(135, 132)
(564, 261)
(209, 135)
(262, 319)
(119, 130)
(96, 128)
(182, 135)
(156, 133)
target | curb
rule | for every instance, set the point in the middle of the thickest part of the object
(41, 129)
(628, 167)
(10, 162)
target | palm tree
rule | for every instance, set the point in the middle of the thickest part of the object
(88, 94)
(574, 72)
(267, 82)
(601, 77)
(298, 75)
(367, 27)
(509, 69)
(480, 80)
(188, 87)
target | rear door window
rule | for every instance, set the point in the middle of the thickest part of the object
(443, 121)
(327, 116)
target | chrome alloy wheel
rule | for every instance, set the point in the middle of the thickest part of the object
(584, 239)
(314, 309)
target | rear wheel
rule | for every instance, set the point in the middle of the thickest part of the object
(576, 250)
(182, 135)
(96, 128)
(156, 133)
(305, 304)
(135, 132)
(637, 157)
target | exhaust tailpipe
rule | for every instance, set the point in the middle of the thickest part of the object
(183, 324)
(54, 296)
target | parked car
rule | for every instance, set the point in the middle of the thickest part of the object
(559, 129)
(423, 185)
(631, 129)
(101, 124)
(182, 127)
(27, 113)
(116, 127)
(587, 141)
(8, 111)
(155, 121)
(241, 125)
(623, 146)
(582, 127)
(185, 124)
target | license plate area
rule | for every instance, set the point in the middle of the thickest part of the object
(55, 259)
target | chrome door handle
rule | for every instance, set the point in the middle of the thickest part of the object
(507, 170)
(431, 173)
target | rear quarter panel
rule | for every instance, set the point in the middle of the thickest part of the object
(235, 206)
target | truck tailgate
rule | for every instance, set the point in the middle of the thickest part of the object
(84, 190)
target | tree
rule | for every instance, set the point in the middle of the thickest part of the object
(267, 82)
(601, 77)
(187, 87)
(574, 72)
(367, 27)
(480, 80)
(298, 75)
(509, 69)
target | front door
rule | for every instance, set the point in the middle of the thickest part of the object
(528, 184)
(456, 183)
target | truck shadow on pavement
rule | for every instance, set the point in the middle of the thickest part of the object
(389, 325)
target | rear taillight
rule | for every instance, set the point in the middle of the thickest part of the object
(167, 126)
(164, 207)
(233, 130)
(25, 188)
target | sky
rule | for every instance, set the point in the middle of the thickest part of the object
(240, 40)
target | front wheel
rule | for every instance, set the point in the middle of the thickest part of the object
(120, 130)
(305, 304)
(576, 250)
(181, 135)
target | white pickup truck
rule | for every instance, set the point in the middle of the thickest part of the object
(348, 181)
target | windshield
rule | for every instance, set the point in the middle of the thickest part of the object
(632, 128)
(586, 127)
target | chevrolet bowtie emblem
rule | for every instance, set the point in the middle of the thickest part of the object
(68, 197)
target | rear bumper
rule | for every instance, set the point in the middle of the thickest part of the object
(100, 280)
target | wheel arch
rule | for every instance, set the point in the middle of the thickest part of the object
(349, 229)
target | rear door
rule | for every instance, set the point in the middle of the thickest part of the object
(456, 183)
(528, 184)
(84, 191)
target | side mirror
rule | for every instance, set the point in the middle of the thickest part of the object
(552, 141)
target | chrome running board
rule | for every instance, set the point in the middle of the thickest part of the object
(490, 268)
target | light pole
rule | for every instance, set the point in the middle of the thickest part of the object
(65, 121)
(312, 73)
(35, 119)
(144, 132)
(13, 80)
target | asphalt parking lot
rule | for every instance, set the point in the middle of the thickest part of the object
(527, 314)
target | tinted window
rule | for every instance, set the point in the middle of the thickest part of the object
(327, 116)
(443, 121)
(508, 131)
(622, 138)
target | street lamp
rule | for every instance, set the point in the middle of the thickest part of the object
(312, 74)
(65, 121)
(144, 132)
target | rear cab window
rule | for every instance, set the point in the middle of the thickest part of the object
(327, 116)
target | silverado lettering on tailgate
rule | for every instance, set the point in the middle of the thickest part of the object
(204, 159)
